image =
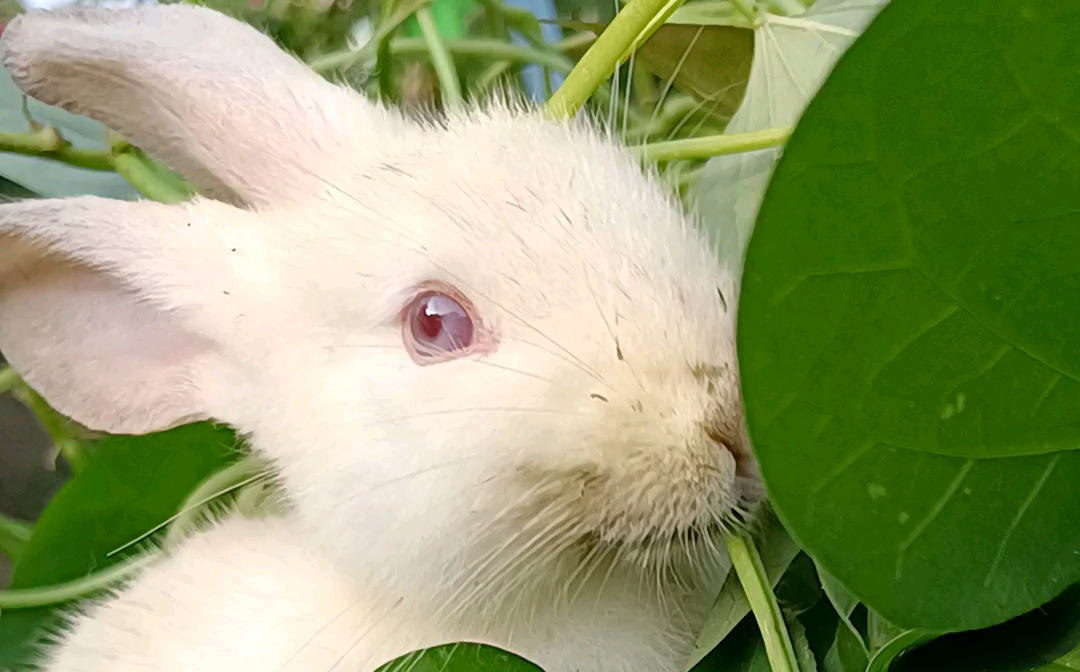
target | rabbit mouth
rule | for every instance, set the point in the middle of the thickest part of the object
(703, 535)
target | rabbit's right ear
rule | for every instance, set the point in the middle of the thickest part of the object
(209, 96)
(122, 314)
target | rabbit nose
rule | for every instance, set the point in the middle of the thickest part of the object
(730, 436)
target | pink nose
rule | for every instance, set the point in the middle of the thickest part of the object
(733, 439)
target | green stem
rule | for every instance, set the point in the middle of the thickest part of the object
(493, 49)
(449, 84)
(712, 145)
(141, 175)
(9, 380)
(884, 656)
(489, 76)
(47, 143)
(14, 536)
(26, 598)
(56, 426)
(755, 582)
(610, 48)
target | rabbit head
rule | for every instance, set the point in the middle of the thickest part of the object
(490, 336)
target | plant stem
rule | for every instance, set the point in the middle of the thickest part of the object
(56, 426)
(884, 656)
(494, 49)
(449, 84)
(755, 583)
(26, 598)
(609, 49)
(47, 143)
(651, 27)
(712, 145)
(14, 536)
(9, 380)
(143, 177)
(346, 58)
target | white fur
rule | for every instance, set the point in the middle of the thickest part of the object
(551, 495)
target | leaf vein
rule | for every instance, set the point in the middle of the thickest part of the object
(1015, 522)
(931, 515)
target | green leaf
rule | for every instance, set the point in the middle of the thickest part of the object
(1037, 638)
(14, 536)
(711, 63)
(804, 654)
(742, 650)
(847, 653)
(130, 485)
(880, 631)
(13, 191)
(820, 623)
(908, 337)
(1070, 660)
(792, 56)
(460, 658)
(843, 601)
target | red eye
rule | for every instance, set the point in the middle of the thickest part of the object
(436, 327)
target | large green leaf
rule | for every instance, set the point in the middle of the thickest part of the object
(129, 486)
(908, 334)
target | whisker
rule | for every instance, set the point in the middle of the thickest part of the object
(414, 474)
(492, 557)
(513, 370)
(570, 360)
(475, 409)
(320, 631)
(191, 506)
(352, 647)
(629, 85)
(614, 336)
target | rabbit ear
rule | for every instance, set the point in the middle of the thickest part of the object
(104, 307)
(211, 97)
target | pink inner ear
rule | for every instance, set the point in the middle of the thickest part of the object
(98, 352)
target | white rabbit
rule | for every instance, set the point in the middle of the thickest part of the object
(492, 360)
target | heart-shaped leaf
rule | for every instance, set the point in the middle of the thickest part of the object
(908, 332)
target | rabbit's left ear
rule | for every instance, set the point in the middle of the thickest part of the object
(211, 97)
(120, 314)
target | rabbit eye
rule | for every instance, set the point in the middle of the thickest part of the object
(437, 327)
